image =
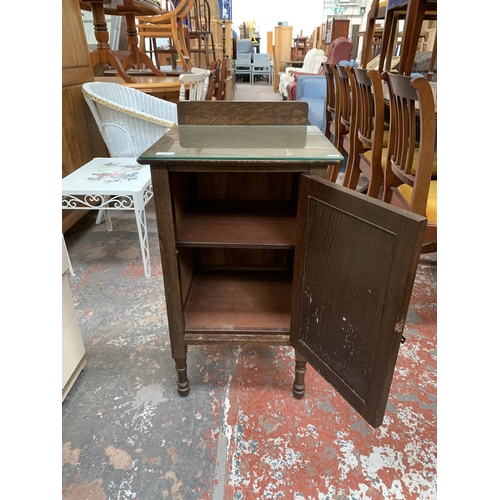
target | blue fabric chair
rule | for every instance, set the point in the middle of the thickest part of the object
(312, 89)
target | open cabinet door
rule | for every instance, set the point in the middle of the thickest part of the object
(355, 263)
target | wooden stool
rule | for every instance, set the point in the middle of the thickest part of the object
(299, 48)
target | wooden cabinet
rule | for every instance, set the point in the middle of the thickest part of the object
(337, 28)
(255, 249)
(283, 45)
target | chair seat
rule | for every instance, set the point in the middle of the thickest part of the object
(431, 209)
(368, 156)
(385, 139)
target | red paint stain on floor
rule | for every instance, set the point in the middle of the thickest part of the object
(319, 447)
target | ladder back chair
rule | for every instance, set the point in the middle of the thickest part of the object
(410, 177)
(200, 32)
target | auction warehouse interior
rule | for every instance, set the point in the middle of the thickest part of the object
(249, 250)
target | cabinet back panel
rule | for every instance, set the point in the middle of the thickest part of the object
(246, 186)
(242, 258)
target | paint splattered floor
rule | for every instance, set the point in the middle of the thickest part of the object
(239, 434)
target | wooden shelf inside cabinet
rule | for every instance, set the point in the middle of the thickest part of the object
(239, 302)
(239, 224)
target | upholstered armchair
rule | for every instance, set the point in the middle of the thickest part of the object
(312, 64)
(312, 89)
(339, 50)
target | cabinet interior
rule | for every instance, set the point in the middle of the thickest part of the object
(235, 239)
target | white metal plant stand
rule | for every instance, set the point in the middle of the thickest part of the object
(112, 184)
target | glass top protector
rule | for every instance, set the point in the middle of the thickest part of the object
(242, 142)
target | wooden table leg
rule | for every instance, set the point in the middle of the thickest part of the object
(299, 385)
(136, 55)
(119, 59)
(182, 380)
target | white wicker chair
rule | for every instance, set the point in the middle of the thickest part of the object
(129, 120)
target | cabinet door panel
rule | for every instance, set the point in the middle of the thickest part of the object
(355, 264)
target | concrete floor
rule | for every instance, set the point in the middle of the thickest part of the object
(240, 434)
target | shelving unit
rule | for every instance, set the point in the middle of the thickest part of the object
(235, 239)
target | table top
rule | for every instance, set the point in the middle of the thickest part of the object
(292, 63)
(232, 143)
(124, 7)
(107, 176)
(146, 72)
(144, 82)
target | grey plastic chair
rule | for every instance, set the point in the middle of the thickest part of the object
(261, 67)
(243, 64)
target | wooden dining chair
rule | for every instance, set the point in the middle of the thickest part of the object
(410, 177)
(413, 12)
(168, 25)
(197, 82)
(214, 80)
(370, 134)
(371, 42)
(330, 129)
(343, 107)
(160, 50)
(217, 82)
(222, 80)
(329, 101)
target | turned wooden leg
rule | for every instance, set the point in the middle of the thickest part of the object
(182, 380)
(299, 386)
